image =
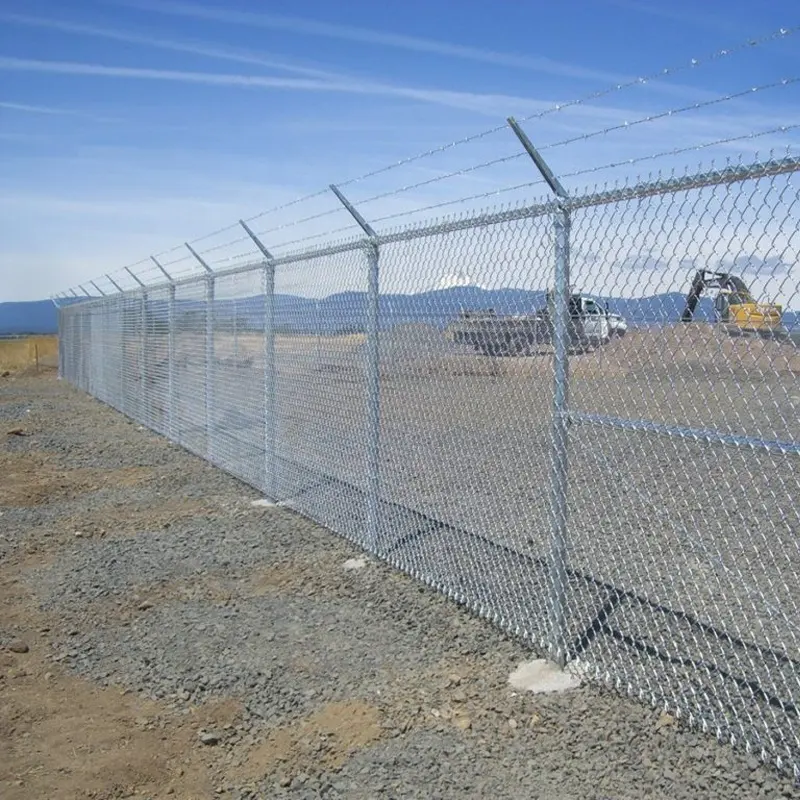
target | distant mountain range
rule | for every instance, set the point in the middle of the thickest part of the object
(347, 311)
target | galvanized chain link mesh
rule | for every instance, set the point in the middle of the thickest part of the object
(428, 435)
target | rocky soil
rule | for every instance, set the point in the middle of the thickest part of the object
(161, 636)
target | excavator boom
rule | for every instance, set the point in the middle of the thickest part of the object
(734, 305)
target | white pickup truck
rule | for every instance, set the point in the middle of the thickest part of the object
(600, 324)
(593, 324)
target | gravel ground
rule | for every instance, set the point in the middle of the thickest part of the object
(150, 575)
(684, 553)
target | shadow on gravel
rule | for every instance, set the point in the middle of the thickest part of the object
(613, 630)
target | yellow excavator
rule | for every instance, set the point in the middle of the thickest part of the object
(734, 306)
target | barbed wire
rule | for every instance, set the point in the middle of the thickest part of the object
(169, 251)
(445, 203)
(446, 176)
(672, 112)
(691, 64)
(294, 223)
(248, 254)
(725, 52)
(181, 260)
(207, 236)
(623, 126)
(529, 184)
(679, 150)
(780, 33)
(324, 234)
(232, 242)
(291, 203)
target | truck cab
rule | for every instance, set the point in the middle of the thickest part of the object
(590, 319)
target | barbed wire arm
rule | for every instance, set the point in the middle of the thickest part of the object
(199, 258)
(258, 243)
(161, 267)
(114, 283)
(543, 167)
(135, 277)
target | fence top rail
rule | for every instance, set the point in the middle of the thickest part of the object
(719, 177)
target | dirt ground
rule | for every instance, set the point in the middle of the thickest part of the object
(61, 736)
(409, 699)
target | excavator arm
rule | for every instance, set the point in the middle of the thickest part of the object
(742, 310)
(706, 279)
(699, 285)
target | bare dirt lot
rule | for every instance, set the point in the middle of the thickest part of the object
(162, 637)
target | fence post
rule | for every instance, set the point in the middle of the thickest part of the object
(318, 332)
(209, 350)
(122, 402)
(170, 351)
(270, 391)
(85, 341)
(95, 327)
(141, 345)
(561, 324)
(143, 357)
(557, 562)
(210, 371)
(172, 426)
(60, 318)
(372, 369)
(235, 338)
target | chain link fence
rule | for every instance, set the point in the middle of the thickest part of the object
(562, 445)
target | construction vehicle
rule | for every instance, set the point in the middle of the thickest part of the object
(734, 305)
(591, 325)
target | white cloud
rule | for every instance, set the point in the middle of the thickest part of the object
(29, 109)
(379, 38)
(687, 15)
(491, 104)
(191, 48)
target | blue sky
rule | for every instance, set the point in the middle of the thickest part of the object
(127, 128)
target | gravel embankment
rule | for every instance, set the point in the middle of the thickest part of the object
(160, 577)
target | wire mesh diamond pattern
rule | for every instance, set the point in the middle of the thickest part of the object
(406, 390)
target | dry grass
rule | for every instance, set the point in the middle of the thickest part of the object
(32, 351)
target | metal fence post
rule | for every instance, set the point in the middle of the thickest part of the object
(209, 342)
(124, 347)
(209, 351)
(373, 393)
(143, 357)
(171, 362)
(235, 337)
(318, 332)
(560, 464)
(61, 332)
(85, 340)
(270, 389)
(122, 403)
(559, 477)
(372, 370)
(170, 426)
(109, 388)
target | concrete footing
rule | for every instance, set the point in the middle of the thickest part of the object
(540, 676)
